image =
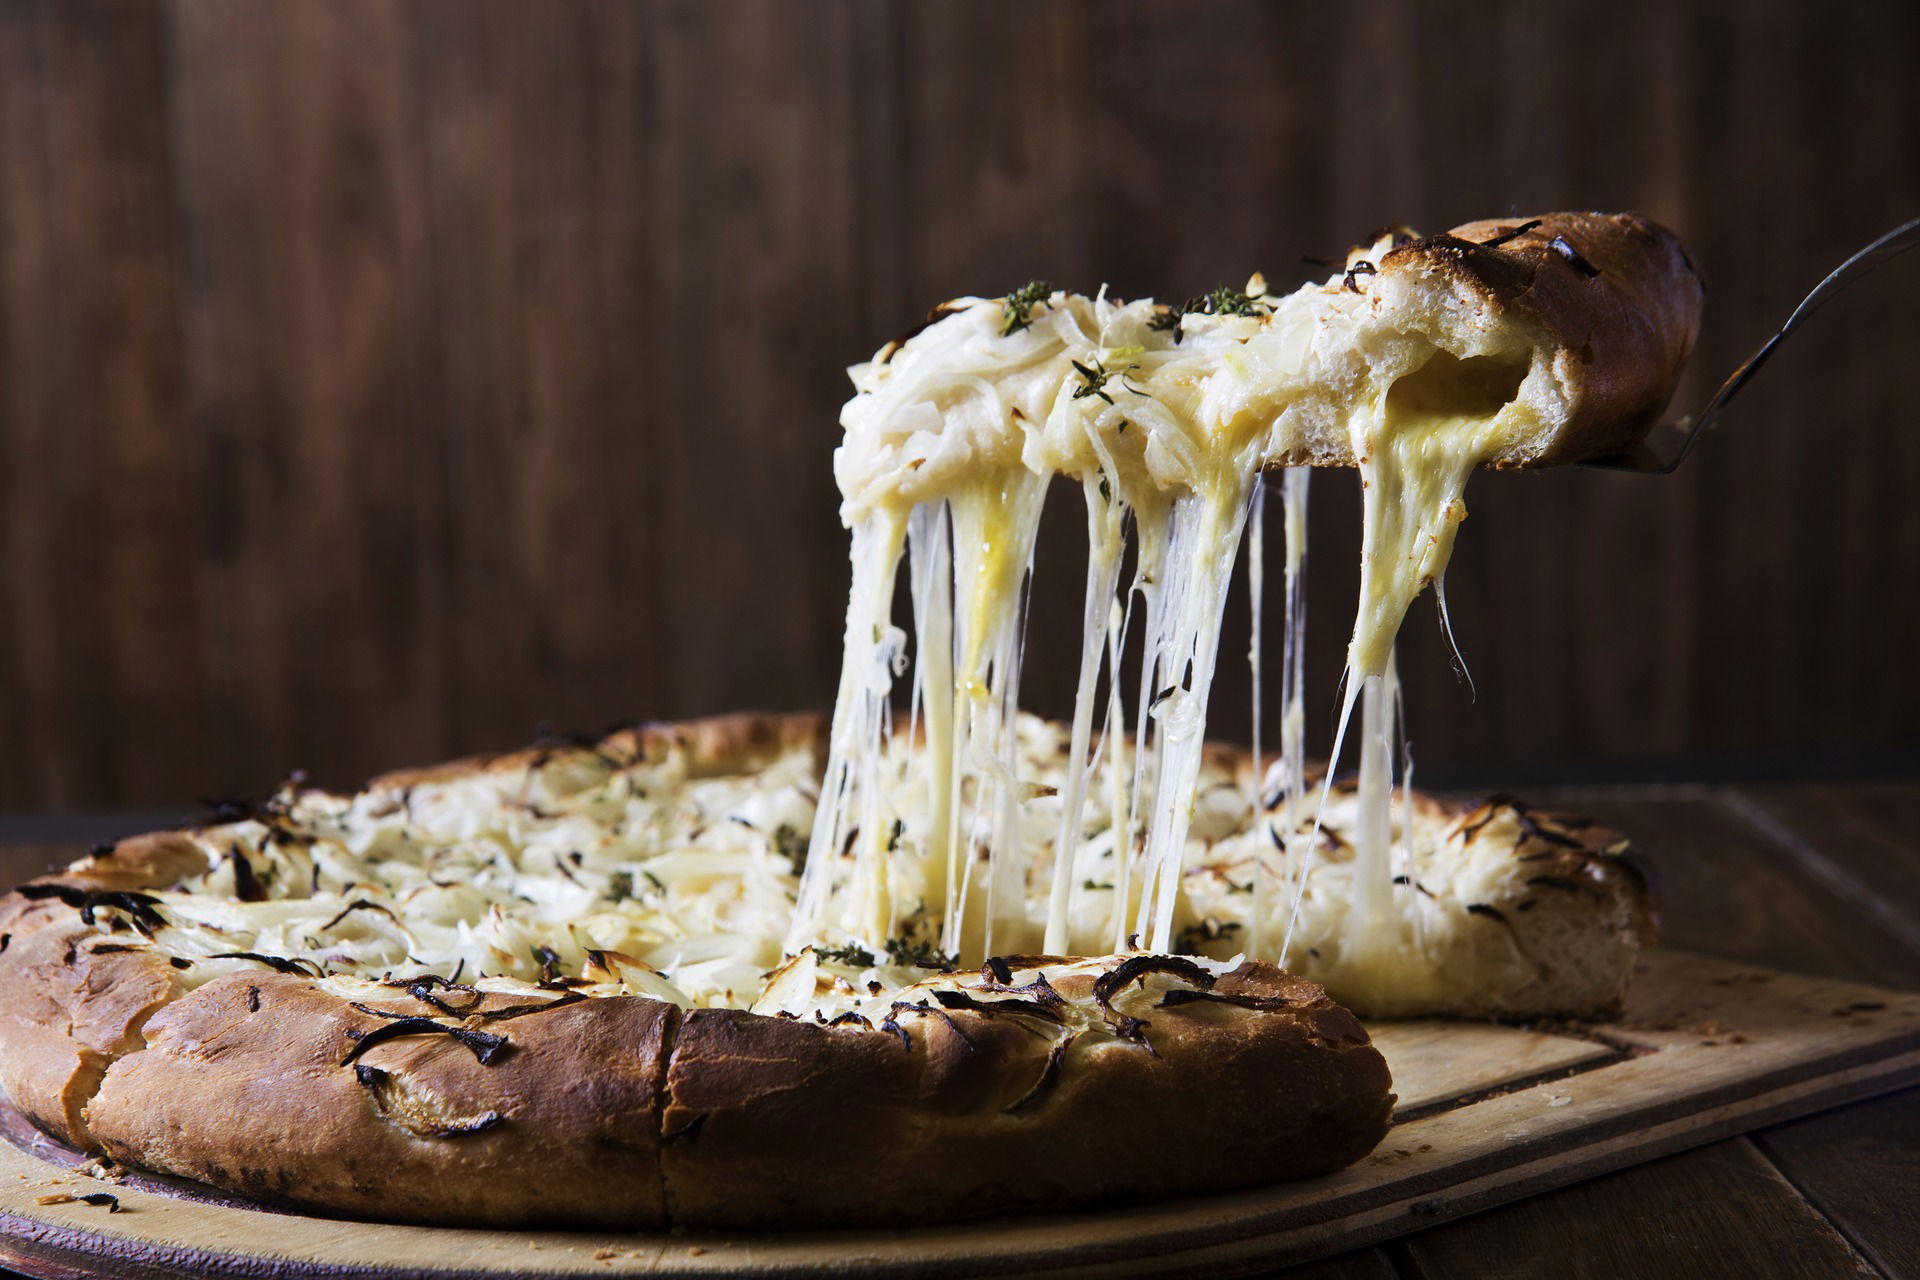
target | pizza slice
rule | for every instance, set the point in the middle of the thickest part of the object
(1509, 344)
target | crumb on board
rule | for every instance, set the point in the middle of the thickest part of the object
(98, 1199)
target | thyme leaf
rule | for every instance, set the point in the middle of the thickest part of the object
(1222, 301)
(919, 955)
(1017, 307)
(853, 953)
(1093, 381)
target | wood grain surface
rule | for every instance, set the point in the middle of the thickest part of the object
(379, 380)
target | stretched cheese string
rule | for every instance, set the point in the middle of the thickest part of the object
(1256, 593)
(1204, 537)
(1105, 543)
(994, 525)
(1294, 490)
(1371, 915)
(1114, 736)
(930, 535)
(854, 742)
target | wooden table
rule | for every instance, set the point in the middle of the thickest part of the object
(1822, 878)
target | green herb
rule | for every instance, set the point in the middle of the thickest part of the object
(654, 880)
(791, 845)
(1219, 302)
(1189, 940)
(620, 886)
(918, 955)
(853, 953)
(1231, 302)
(1093, 382)
(1017, 307)
(893, 836)
(1094, 884)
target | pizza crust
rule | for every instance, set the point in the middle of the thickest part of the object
(959, 1114)
(735, 743)
(1523, 913)
(76, 1002)
(245, 1084)
(1598, 311)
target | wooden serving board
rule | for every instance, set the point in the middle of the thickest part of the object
(1487, 1114)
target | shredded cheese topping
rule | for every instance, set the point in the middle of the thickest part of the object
(596, 871)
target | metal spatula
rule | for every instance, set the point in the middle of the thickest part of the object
(1668, 443)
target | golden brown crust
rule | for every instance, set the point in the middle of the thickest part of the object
(77, 1000)
(1616, 294)
(252, 1083)
(1564, 848)
(150, 861)
(1574, 878)
(247, 1085)
(713, 744)
(772, 1122)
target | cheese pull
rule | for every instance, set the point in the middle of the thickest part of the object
(1521, 343)
(1509, 344)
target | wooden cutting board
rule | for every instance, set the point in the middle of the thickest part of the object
(1487, 1114)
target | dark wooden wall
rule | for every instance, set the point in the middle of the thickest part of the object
(361, 399)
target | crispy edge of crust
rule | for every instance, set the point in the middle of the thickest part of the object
(244, 1085)
(1596, 881)
(711, 745)
(77, 1002)
(1620, 336)
(1618, 339)
(1613, 890)
(150, 861)
(775, 1122)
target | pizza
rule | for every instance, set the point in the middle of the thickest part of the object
(548, 989)
(930, 957)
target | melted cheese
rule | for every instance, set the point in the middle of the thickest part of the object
(1166, 422)
(615, 875)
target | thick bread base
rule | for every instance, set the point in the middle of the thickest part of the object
(73, 1006)
(785, 1123)
(242, 1086)
(1605, 349)
(762, 1122)
(710, 745)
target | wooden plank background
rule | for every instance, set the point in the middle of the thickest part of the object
(380, 378)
